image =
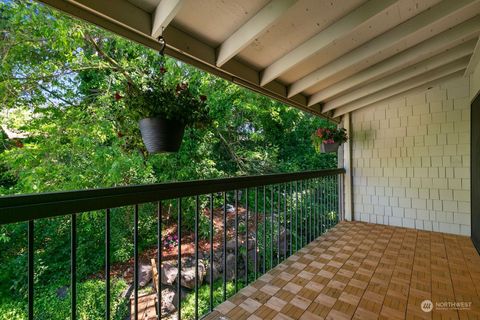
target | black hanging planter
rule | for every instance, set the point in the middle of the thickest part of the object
(161, 135)
(329, 147)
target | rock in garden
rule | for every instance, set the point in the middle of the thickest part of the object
(215, 273)
(187, 277)
(218, 256)
(183, 293)
(231, 266)
(168, 295)
(144, 274)
(168, 273)
(231, 245)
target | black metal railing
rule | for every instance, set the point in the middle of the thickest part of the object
(271, 218)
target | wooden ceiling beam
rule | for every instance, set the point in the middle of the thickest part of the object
(422, 67)
(164, 13)
(253, 28)
(395, 36)
(446, 40)
(402, 87)
(474, 60)
(325, 38)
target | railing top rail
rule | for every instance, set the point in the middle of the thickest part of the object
(19, 208)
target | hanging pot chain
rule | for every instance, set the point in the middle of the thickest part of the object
(161, 52)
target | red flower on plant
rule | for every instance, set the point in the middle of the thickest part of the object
(163, 70)
(203, 98)
(181, 87)
(19, 144)
(118, 97)
(119, 134)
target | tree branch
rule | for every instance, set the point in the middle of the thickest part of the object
(237, 159)
(109, 59)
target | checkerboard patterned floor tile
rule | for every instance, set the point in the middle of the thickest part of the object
(366, 271)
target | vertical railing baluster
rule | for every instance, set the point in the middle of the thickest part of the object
(301, 214)
(341, 209)
(211, 252)
(342, 198)
(317, 199)
(312, 211)
(337, 197)
(73, 266)
(224, 246)
(332, 201)
(256, 233)
(309, 210)
(330, 209)
(236, 241)
(179, 236)
(264, 229)
(291, 219)
(296, 216)
(279, 222)
(107, 264)
(159, 259)
(197, 211)
(135, 254)
(285, 221)
(31, 293)
(272, 200)
(246, 237)
(324, 207)
(328, 202)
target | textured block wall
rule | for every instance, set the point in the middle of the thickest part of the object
(411, 160)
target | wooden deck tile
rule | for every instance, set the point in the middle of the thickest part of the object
(366, 271)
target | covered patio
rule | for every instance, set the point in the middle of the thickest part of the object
(403, 78)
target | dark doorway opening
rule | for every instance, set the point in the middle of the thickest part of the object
(475, 171)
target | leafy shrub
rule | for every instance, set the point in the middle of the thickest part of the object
(90, 302)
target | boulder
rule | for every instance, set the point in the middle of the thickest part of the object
(144, 274)
(231, 245)
(168, 297)
(230, 266)
(168, 273)
(215, 273)
(187, 277)
(183, 293)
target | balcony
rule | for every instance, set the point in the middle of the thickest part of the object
(394, 233)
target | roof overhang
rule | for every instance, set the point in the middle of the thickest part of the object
(325, 57)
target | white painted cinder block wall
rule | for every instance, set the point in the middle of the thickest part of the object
(411, 160)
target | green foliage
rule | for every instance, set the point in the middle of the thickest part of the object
(155, 97)
(49, 305)
(188, 305)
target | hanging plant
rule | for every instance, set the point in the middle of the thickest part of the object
(328, 139)
(164, 109)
